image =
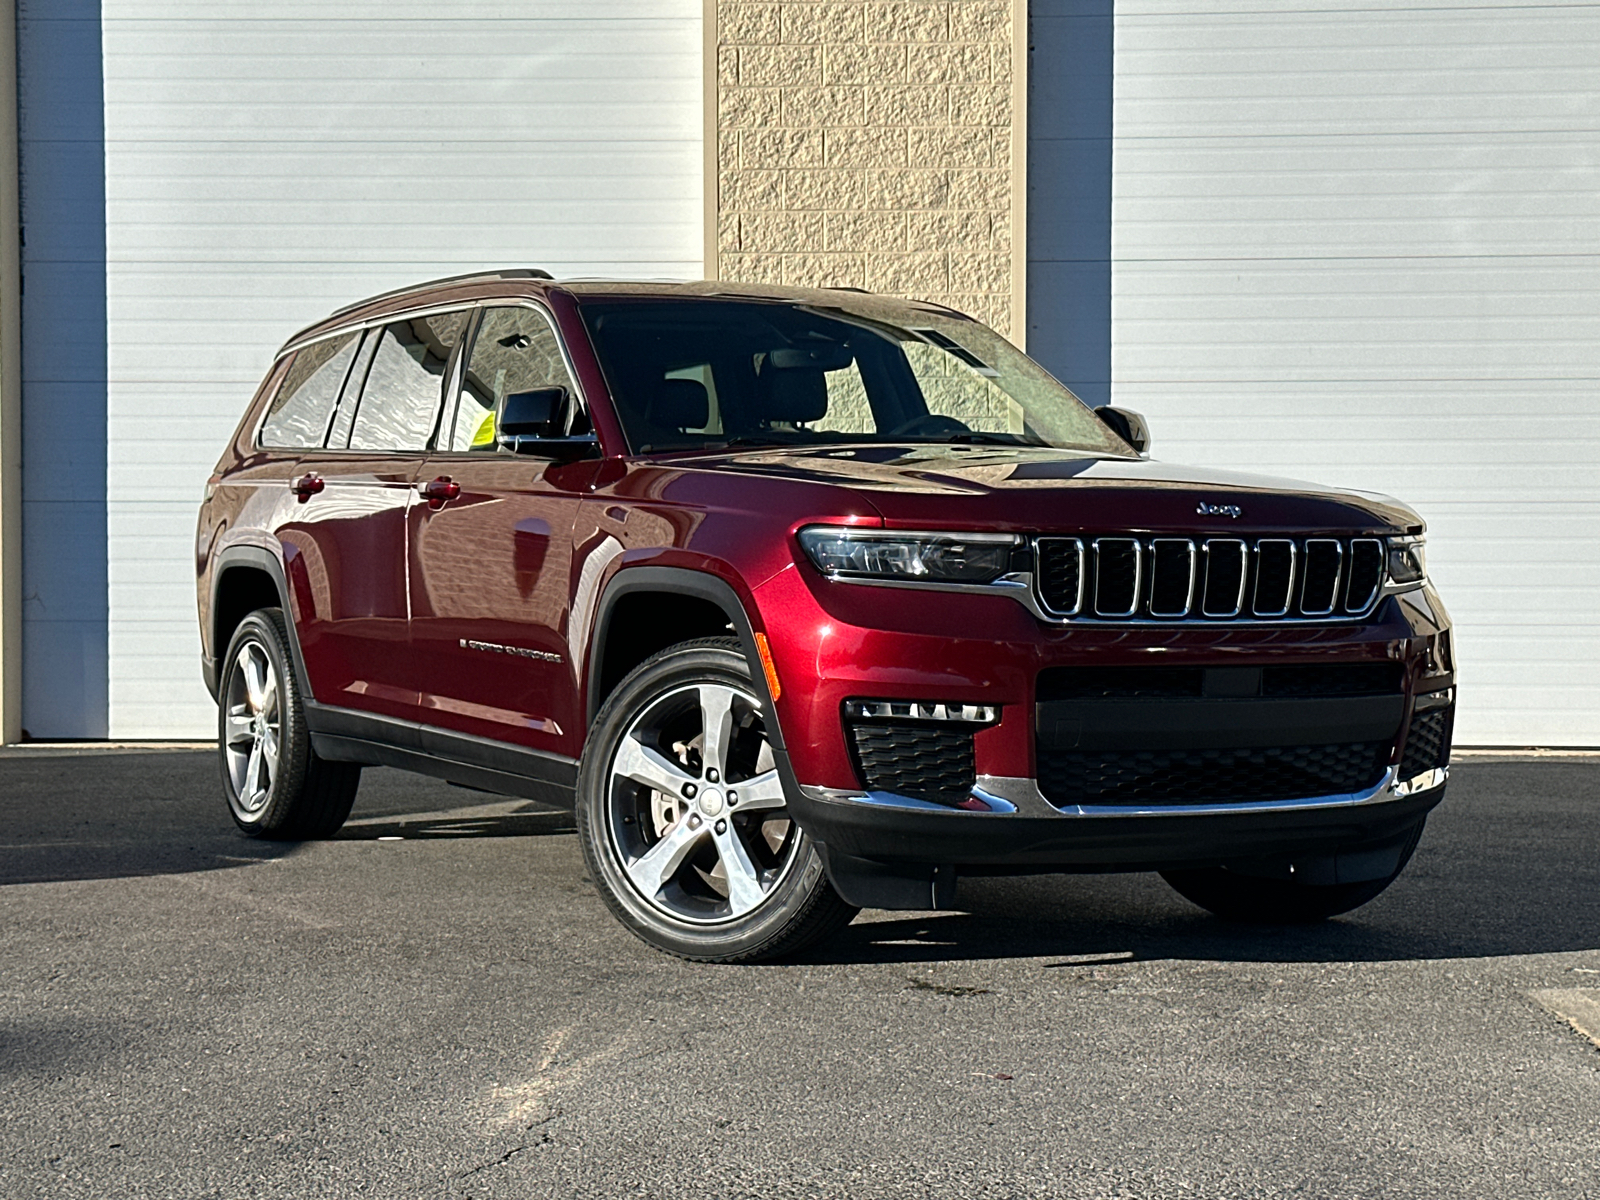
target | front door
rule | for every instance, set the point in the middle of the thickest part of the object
(491, 554)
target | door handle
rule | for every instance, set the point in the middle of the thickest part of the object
(439, 490)
(307, 486)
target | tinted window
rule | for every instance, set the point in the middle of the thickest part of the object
(515, 351)
(299, 414)
(400, 401)
(339, 434)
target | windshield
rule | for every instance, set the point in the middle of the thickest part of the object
(691, 373)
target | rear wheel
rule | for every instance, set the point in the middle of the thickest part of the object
(1264, 901)
(683, 818)
(275, 784)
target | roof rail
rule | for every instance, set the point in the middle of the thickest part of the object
(471, 276)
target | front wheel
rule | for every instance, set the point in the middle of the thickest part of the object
(683, 818)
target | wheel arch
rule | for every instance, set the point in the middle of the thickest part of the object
(698, 599)
(244, 579)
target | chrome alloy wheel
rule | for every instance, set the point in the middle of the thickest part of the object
(253, 729)
(696, 810)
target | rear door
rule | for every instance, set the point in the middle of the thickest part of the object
(491, 552)
(348, 565)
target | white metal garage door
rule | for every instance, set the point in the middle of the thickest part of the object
(1360, 243)
(269, 160)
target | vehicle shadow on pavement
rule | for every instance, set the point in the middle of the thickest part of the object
(1509, 864)
(94, 813)
(513, 818)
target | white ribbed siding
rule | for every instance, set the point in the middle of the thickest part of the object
(1360, 243)
(269, 160)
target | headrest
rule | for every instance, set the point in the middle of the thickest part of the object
(793, 395)
(680, 404)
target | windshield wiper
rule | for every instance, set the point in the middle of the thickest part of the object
(991, 439)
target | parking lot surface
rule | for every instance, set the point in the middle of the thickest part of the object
(436, 1003)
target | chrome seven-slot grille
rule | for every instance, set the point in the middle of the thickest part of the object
(1221, 578)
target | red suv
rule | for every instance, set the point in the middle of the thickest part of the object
(807, 600)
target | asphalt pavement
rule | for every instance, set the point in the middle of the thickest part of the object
(436, 1003)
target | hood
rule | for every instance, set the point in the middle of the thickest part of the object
(1043, 489)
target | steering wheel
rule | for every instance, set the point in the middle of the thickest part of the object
(928, 425)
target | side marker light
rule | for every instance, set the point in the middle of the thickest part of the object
(765, 653)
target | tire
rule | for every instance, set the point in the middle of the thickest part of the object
(1258, 901)
(687, 837)
(275, 784)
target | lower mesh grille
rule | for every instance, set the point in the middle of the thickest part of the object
(917, 759)
(1209, 776)
(1427, 743)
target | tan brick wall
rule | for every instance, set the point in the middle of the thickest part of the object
(868, 143)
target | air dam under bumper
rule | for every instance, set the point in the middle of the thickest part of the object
(886, 851)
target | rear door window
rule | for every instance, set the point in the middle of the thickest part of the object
(298, 418)
(400, 401)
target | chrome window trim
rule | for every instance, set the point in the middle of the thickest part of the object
(1083, 573)
(1016, 795)
(402, 314)
(1194, 565)
(1383, 572)
(1288, 592)
(1138, 576)
(1244, 577)
(1338, 577)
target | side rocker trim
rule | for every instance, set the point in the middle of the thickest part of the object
(345, 735)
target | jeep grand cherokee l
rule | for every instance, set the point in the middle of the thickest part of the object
(806, 600)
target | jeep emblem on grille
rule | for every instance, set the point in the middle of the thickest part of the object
(1220, 510)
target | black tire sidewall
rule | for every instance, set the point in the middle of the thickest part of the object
(264, 627)
(711, 661)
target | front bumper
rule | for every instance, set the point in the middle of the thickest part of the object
(837, 646)
(891, 852)
(1027, 831)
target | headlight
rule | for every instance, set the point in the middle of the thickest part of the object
(908, 557)
(1408, 561)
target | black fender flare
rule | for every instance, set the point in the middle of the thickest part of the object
(703, 586)
(262, 559)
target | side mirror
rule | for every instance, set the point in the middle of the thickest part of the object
(536, 423)
(538, 413)
(1127, 425)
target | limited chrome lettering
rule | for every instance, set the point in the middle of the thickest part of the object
(518, 651)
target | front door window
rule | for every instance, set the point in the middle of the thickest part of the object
(515, 351)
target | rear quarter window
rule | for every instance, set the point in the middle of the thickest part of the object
(299, 415)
